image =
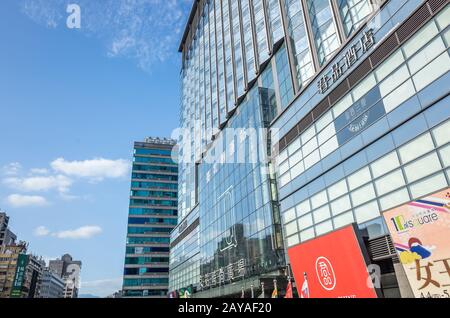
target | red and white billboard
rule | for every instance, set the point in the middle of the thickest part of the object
(331, 266)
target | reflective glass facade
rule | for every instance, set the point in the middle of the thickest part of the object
(229, 44)
(152, 216)
(316, 75)
(243, 63)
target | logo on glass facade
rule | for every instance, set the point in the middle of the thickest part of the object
(225, 207)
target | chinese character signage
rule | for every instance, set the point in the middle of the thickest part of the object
(22, 262)
(332, 266)
(421, 234)
(349, 58)
(224, 275)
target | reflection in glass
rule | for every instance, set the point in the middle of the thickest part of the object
(324, 28)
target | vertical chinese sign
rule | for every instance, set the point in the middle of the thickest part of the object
(22, 262)
(421, 234)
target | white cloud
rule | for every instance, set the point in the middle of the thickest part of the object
(40, 183)
(12, 169)
(70, 197)
(120, 45)
(41, 231)
(38, 171)
(84, 232)
(19, 201)
(96, 169)
(45, 12)
(147, 31)
(101, 288)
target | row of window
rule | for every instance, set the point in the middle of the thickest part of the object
(144, 293)
(407, 173)
(145, 260)
(155, 160)
(223, 48)
(132, 221)
(147, 240)
(153, 176)
(162, 203)
(130, 282)
(153, 194)
(149, 211)
(145, 271)
(154, 185)
(158, 168)
(146, 249)
(156, 152)
(147, 230)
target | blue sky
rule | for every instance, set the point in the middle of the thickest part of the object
(71, 104)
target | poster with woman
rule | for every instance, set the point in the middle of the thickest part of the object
(420, 231)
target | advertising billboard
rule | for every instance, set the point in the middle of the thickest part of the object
(331, 266)
(420, 231)
(19, 277)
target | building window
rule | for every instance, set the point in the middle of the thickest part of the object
(420, 39)
(261, 34)
(353, 13)
(429, 185)
(416, 148)
(284, 77)
(385, 164)
(276, 26)
(367, 212)
(432, 71)
(299, 40)
(394, 199)
(305, 221)
(441, 134)
(323, 29)
(423, 167)
(343, 220)
(307, 234)
(392, 181)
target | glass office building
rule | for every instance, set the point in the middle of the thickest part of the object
(152, 215)
(349, 99)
